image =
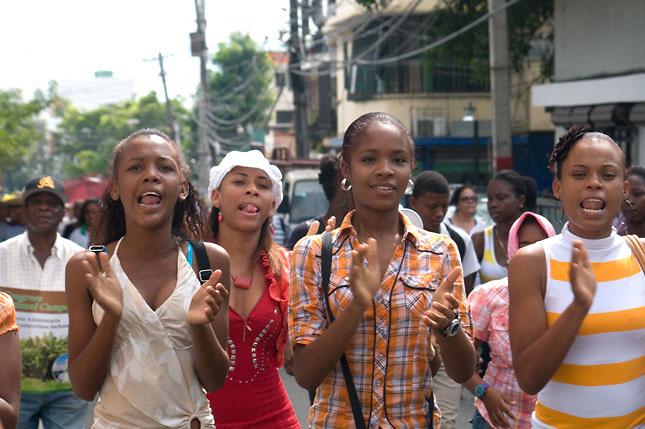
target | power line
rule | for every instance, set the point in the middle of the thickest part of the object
(389, 60)
(399, 19)
(439, 42)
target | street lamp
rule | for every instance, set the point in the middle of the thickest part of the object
(470, 117)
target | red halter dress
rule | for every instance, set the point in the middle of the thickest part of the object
(253, 395)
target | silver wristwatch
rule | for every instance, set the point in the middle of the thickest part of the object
(452, 328)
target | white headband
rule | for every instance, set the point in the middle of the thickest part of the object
(251, 159)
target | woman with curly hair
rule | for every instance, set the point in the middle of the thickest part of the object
(143, 332)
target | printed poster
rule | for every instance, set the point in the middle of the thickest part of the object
(43, 320)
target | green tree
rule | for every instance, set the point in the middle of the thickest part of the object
(530, 30)
(240, 96)
(21, 133)
(85, 139)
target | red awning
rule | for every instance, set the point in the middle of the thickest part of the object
(84, 187)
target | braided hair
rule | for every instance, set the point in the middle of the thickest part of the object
(567, 141)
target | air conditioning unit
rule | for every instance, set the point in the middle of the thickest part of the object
(434, 126)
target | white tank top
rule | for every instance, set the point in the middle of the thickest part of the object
(490, 269)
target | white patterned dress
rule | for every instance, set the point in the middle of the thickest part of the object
(152, 382)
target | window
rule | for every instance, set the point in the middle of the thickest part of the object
(284, 116)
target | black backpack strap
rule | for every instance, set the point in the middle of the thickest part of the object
(326, 251)
(459, 241)
(203, 263)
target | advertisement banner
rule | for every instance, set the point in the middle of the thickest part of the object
(42, 317)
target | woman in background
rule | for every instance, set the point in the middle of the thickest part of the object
(498, 396)
(633, 208)
(88, 220)
(509, 195)
(340, 201)
(465, 201)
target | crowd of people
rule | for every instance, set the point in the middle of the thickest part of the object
(167, 315)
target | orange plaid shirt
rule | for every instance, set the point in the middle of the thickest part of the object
(7, 314)
(390, 352)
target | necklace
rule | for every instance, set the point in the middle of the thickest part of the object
(499, 240)
(243, 282)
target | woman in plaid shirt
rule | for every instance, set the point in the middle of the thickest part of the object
(499, 397)
(384, 298)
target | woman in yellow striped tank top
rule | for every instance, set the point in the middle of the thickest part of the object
(577, 300)
(509, 195)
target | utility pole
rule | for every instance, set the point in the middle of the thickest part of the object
(297, 84)
(199, 49)
(170, 118)
(499, 86)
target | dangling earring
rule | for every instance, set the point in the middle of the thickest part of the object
(219, 218)
(271, 228)
(344, 186)
(410, 187)
(558, 206)
(631, 213)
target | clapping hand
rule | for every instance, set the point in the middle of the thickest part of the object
(498, 406)
(583, 279)
(313, 228)
(443, 308)
(365, 281)
(207, 300)
(103, 284)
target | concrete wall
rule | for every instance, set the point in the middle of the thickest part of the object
(598, 37)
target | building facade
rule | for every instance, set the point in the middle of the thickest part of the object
(429, 97)
(599, 71)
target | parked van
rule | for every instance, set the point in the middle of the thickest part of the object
(304, 197)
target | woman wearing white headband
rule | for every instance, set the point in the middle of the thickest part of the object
(245, 189)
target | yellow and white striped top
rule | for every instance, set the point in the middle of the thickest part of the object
(490, 269)
(601, 382)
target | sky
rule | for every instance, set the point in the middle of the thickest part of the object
(43, 40)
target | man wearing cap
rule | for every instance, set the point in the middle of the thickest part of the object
(32, 271)
(14, 223)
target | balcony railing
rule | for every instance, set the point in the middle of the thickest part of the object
(411, 77)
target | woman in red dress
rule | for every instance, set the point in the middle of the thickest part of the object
(245, 190)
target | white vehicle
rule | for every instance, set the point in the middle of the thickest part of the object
(304, 197)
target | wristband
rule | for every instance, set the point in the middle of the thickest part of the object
(481, 389)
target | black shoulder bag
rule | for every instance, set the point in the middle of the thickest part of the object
(357, 412)
(459, 241)
(203, 263)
